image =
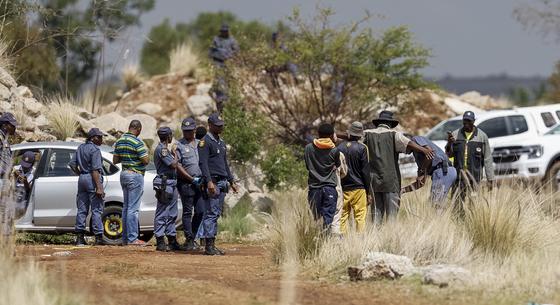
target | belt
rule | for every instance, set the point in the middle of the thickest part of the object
(169, 177)
(130, 169)
(219, 178)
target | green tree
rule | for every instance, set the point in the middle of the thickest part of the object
(345, 73)
(154, 57)
(283, 167)
(553, 93)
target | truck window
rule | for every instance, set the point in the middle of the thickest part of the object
(440, 133)
(548, 119)
(495, 127)
(558, 114)
(518, 124)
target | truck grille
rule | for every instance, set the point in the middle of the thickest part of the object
(507, 154)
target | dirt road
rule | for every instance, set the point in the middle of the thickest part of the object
(127, 275)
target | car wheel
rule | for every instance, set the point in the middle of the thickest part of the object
(552, 177)
(146, 236)
(112, 224)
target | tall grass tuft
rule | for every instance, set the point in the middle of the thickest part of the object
(61, 114)
(238, 222)
(184, 60)
(6, 61)
(132, 76)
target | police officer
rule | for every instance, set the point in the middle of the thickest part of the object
(165, 185)
(8, 124)
(190, 192)
(23, 175)
(89, 164)
(223, 48)
(216, 174)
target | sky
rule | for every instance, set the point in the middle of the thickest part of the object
(468, 38)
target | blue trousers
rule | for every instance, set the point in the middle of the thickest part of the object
(209, 226)
(323, 203)
(441, 184)
(85, 199)
(191, 200)
(166, 215)
(133, 187)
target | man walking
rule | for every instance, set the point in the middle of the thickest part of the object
(439, 168)
(322, 159)
(216, 174)
(165, 185)
(384, 145)
(132, 153)
(190, 192)
(471, 153)
(90, 187)
(356, 183)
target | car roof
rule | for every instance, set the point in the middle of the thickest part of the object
(57, 144)
(512, 111)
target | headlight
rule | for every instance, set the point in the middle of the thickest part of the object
(534, 151)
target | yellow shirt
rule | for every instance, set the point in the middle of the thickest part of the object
(468, 136)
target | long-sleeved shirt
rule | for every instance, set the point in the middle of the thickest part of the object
(321, 160)
(477, 151)
(357, 159)
(212, 154)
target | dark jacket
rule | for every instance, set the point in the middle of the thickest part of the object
(321, 162)
(357, 177)
(479, 153)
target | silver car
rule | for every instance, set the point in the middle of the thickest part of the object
(52, 206)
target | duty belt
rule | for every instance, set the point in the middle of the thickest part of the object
(443, 165)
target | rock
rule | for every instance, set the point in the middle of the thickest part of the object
(62, 253)
(149, 126)
(379, 265)
(189, 81)
(149, 108)
(22, 91)
(83, 125)
(42, 122)
(78, 140)
(444, 275)
(203, 89)
(459, 107)
(262, 202)
(5, 93)
(5, 106)
(33, 106)
(83, 113)
(36, 136)
(110, 121)
(6, 79)
(200, 104)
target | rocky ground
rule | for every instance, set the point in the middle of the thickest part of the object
(142, 276)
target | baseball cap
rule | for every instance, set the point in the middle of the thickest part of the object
(95, 132)
(164, 131)
(468, 115)
(27, 159)
(215, 119)
(8, 117)
(188, 124)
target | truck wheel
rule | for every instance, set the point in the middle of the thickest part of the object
(112, 224)
(552, 177)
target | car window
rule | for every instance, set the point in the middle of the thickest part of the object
(555, 130)
(558, 114)
(109, 168)
(495, 127)
(57, 163)
(440, 133)
(518, 124)
(548, 119)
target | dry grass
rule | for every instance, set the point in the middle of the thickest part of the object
(132, 76)
(184, 60)
(5, 60)
(61, 115)
(508, 239)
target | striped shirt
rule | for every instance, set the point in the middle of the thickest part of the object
(130, 150)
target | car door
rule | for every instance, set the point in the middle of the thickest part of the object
(55, 191)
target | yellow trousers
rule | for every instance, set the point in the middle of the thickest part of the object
(356, 201)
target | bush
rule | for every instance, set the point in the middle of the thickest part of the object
(244, 130)
(236, 222)
(183, 60)
(283, 168)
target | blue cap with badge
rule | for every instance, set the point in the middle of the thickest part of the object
(94, 132)
(9, 118)
(188, 124)
(27, 159)
(469, 115)
(215, 119)
(164, 131)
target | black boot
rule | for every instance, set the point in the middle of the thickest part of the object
(210, 248)
(173, 245)
(160, 244)
(99, 240)
(190, 245)
(80, 240)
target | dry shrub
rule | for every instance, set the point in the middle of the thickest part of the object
(6, 62)
(62, 116)
(132, 77)
(183, 60)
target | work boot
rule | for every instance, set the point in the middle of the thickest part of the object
(190, 245)
(99, 240)
(160, 244)
(210, 248)
(80, 240)
(173, 245)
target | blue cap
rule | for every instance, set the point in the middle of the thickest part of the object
(94, 132)
(468, 115)
(224, 27)
(27, 159)
(188, 124)
(164, 131)
(9, 118)
(215, 119)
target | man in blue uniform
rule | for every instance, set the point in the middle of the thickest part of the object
(165, 185)
(90, 187)
(223, 48)
(8, 126)
(190, 192)
(216, 174)
(23, 174)
(439, 168)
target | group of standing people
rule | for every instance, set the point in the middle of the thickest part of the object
(195, 168)
(372, 174)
